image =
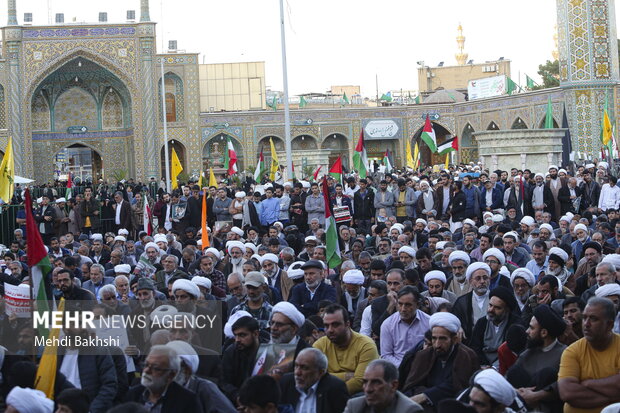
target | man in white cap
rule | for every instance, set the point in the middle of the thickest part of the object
(583, 237)
(436, 282)
(496, 259)
(354, 291)
(276, 276)
(235, 260)
(471, 307)
(612, 292)
(522, 281)
(27, 400)
(443, 370)
(62, 217)
(491, 392)
(458, 261)
(235, 234)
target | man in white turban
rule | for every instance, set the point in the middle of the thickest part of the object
(522, 281)
(458, 261)
(26, 400)
(496, 259)
(407, 256)
(236, 250)
(471, 307)
(492, 390)
(286, 320)
(446, 361)
(354, 292)
(436, 282)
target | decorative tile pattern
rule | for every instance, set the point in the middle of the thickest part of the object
(112, 111)
(40, 114)
(75, 107)
(64, 32)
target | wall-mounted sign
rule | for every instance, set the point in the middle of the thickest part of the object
(224, 125)
(434, 116)
(77, 129)
(383, 129)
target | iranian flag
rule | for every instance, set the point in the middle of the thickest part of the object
(387, 162)
(428, 135)
(260, 167)
(336, 169)
(360, 160)
(332, 250)
(69, 187)
(230, 159)
(148, 217)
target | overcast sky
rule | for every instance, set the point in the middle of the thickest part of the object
(338, 42)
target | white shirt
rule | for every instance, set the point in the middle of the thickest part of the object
(366, 326)
(117, 220)
(168, 223)
(70, 368)
(307, 400)
(610, 197)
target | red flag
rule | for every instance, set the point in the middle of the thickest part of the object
(34, 242)
(316, 173)
(336, 169)
(148, 217)
(455, 143)
(69, 181)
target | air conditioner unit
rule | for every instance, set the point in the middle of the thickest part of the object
(27, 18)
(60, 18)
(131, 15)
(172, 45)
(103, 17)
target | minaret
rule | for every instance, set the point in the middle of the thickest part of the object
(461, 56)
(555, 53)
(144, 11)
(12, 12)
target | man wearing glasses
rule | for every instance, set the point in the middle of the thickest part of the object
(495, 259)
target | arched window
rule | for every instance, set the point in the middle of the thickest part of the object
(175, 109)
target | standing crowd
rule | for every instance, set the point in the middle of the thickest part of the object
(457, 290)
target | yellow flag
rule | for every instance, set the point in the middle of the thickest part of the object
(410, 163)
(447, 161)
(416, 156)
(7, 173)
(200, 180)
(607, 129)
(176, 169)
(212, 180)
(274, 161)
(46, 373)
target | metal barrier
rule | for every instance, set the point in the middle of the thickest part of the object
(8, 225)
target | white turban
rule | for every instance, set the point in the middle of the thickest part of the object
(566, 218)
(400, 231)
(120, 238)
(602, 164)
(213, 251)
(235, 244)
(553, 167)
(547, 227)
(504, 271)
(269, 257)
(311, 238)
(290, 311)
(440, 245)
(560, 253)
(512, 234)
(232, 320)
(122, 269)
(494, 252)
(186, 352)
(528, 220)
(187, 286)
(421, 221)
(487, 214)
(589, 165)
(539, 174)
(251, 246)
(459, 255)
(353, 277)
(151, 245)
(496, 386)
(161, 311)
(435, 302)
(305, 184)
(240, 194)
(582, 227)
(237, 231)
(202, 282)
(26, 400)
(294, 271)
(446, 320)
(435, 275)
(525, 274)
(612, 259)
(607, 290)
(59, 200)
(498, 218)
(407, 250)
(469, 221)
(95, 237)
(475, 266)
(123, 231)
(160, 238)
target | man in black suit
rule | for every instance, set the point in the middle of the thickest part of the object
(311, 388)
(157, 384)
(567, 196)
(363, 208)
(122, 212)
(45, 217)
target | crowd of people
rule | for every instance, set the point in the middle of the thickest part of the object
(457, 290)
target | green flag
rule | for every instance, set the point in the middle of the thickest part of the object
(417, 100)
(549, 115)
(302, 102)
(530, 82)
(274, 103)
(345, 99)
(386, 97)
(511, 86)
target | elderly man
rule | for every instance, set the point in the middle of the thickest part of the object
(589, 370)
(158, 391)
(471, 307)
(490, 331)
(97, 279)
(256, 303)
(348, 353)
(381, 392)
(235, 257)
(354, 292)
(443, 369)
(495, 259)
(206, 268)
(145, 293)
(311, 388)
(404, 329)
(611, 292)
(458, 261)
(276, 276)
(169, 273)
(237, 290)
(522, 281)
(436, 282)
(148, 260)
(605, 274)
(406, 255)
(491, 393)
(385, 306)
(306, 296)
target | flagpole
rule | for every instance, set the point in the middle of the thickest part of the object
(287, 120)
(163, 107)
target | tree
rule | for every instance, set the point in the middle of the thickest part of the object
(550, 74)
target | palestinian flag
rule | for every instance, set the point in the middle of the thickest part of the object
(316, 172)
(230, 160)
(428, 135)
(387, 162)
(360, 159)
(449, 145)
(68, 194)
(260, 167)
(332, 251)
(336, 169)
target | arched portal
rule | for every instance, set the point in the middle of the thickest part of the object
(265, 146)
(213, 154)
(304, 143)
(83, 162)
(541, 125)
(174, 98)
(426, 158)
(518, 124)
(492, 126)
(468, 148)
(337, 144)
(179, 148)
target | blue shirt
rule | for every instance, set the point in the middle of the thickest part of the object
(270, 212)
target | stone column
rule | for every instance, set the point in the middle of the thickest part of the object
(12, 37)
(148, 87)
(588, 67)
(12, 12)
(144, 11)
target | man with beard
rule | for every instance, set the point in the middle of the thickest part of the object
(81, 299)
(207, 269)
(239, 358)
(472, 196)
(517, 198)
(97, 279)
(163, 212)
(354, 292)
(567, 196)
(363, 208)
(557, 264)
(256, 303)
(427, 204)
(495, 259)
(458, 261)
(186, 294)
(406, 255)
(315, 205)
(157, 390)
(276, 277)
(555, 184)
(469, 242)
(512, 253)
(541, 196)
(572, 308)
(592, 252)
(221, 205)
(436, 282)
(235, 257)
(170, 272)
(442, 370)
(404, 201)
(145, 293)
(486, 242)
(535, 372)
(611, 292)
(383, 248)
(522, 281)
(471, 307)
(539, 263)
(237, 290)
(384, 200)
(306, 296)
(425, 261)
(363, 317)
(420, 238)
(490, 331)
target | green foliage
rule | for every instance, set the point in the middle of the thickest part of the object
(550, 74)
(118, 175)
(308, 170)
(183, 177)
